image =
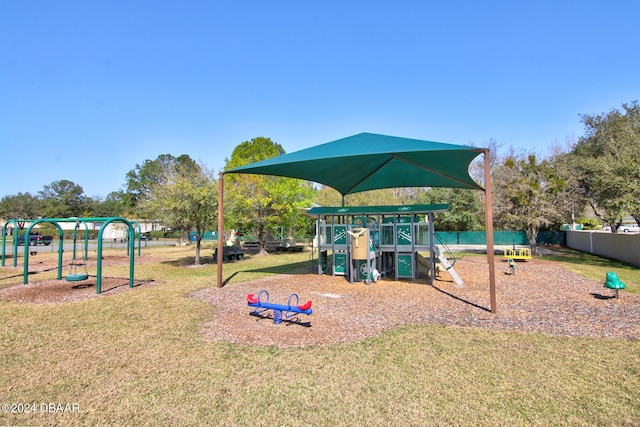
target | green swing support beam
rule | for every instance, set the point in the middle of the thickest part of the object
(15, 241)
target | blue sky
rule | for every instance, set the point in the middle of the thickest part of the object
(89, 89)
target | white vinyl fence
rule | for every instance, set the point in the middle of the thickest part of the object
(624, 247)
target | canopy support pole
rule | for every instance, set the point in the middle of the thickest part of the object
(220, 227)
(488, 212)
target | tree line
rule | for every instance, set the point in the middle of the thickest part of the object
(594, 180)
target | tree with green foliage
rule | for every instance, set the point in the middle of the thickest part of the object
(63, 199)
(186, 200)
(465, 209)
(152, 174)
(20, 206)
(260, 203)
(116, 203)
(327, 196)
(465, 206)
(606, 163)
(573, 196)
(528, 194)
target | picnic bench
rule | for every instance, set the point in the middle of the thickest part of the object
(229, 253)
(273, 246)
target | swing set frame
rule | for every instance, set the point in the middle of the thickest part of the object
(105, 221)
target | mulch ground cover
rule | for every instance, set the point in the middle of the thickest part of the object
(541, 297)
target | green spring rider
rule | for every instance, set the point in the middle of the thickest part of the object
(613, 282)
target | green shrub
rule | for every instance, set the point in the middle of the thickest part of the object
(589, 223)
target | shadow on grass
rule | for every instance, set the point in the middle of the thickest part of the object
(187, 261)
(125, 282)
(16, 276)
(580, 258)
(301, 267)
(32, 272)
(190, 260)
(228, 279)
(120, 282)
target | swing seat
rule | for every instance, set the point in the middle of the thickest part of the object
(78, 277)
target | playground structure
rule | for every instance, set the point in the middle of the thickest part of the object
(368, 242)
(74, 275)
(261, 304)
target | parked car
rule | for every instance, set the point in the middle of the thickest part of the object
(629, 228)
(143, 236)
(36, 239)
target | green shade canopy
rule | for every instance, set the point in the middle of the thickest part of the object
(369, 161)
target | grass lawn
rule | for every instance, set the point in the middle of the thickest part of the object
(139, 358)
(595, 268)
